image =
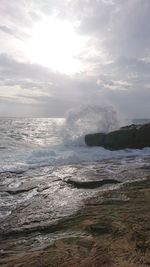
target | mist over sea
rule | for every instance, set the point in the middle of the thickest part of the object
(39, 155)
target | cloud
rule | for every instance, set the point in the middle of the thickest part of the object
(116, 57)
(22, 82)
(6, 29)
(54, 93)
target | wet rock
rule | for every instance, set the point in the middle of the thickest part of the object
(97, 139)
(99, 235)
(143, 136)
(91, 184)
(19, 190)
(132, 136)
(100, 229)
(120, 139)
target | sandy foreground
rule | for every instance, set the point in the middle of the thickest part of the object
(114, 229)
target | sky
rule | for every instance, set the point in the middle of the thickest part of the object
(56, 55)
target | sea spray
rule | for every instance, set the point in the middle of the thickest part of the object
(88, 119)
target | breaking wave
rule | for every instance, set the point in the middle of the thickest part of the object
(30, 143)
(88, 119)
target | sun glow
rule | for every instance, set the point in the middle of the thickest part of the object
(55, 44)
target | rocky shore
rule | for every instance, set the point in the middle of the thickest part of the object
(111, 229)
(132, 136)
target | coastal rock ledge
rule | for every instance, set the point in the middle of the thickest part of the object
(132, 136)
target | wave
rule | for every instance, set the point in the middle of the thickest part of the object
(53, 142)
(61, 156)
(88, 119)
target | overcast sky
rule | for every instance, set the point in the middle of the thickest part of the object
(55, 55)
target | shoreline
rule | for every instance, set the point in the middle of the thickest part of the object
(113, 230)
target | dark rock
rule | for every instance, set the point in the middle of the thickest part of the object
(100, 229)
(19, 190)
(143, 136)
(97, 139)
(120, 139)
(91, 184)
(132, 136)
(131, 127)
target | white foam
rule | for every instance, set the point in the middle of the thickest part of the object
(65, 155)
(78, 155)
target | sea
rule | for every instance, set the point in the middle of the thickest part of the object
(37, 158)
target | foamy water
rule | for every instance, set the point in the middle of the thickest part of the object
(31, 143)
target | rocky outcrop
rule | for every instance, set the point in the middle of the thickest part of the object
(96, 139)
(132, 136)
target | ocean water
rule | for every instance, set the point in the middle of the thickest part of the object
(39, 155)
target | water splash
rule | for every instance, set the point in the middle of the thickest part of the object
(88, 119)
